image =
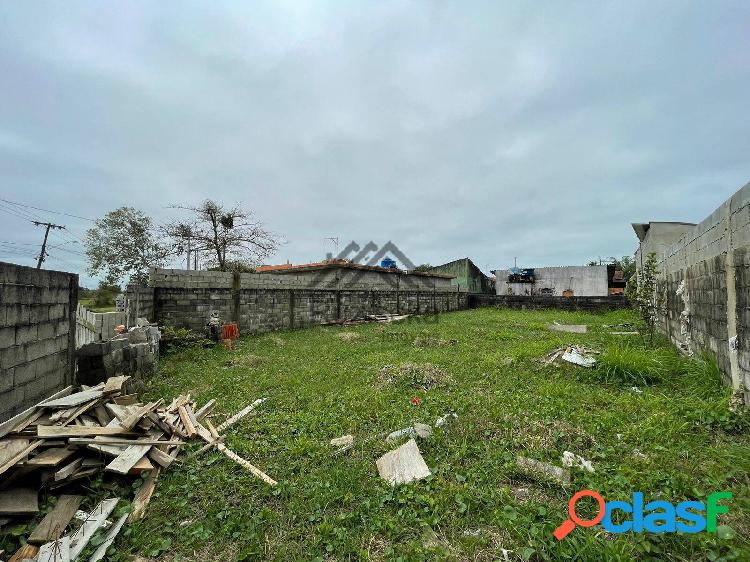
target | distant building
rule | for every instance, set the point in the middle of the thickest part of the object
(466, 275)
(657, 237)
(566, 281)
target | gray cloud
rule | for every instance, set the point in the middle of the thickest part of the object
(537, 130)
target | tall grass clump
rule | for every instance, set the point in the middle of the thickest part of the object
(633, 365)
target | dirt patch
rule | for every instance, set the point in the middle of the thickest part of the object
(424, 375)
(348, 336)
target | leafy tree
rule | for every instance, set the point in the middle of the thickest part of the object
(225, 235)
(123, 245)
(626, 264)
(423, 267)
(105, 294)
(642, 292)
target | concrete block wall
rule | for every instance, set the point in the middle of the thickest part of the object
(139, 304)
(264, 302)
(538, 302)
(37, 335)
(711, 313)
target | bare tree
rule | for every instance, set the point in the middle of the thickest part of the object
(224, 234)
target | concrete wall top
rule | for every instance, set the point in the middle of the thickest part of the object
(583, 280)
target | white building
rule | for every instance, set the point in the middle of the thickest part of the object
(577, 281)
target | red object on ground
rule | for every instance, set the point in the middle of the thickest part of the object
(416, 401)
(230, 331)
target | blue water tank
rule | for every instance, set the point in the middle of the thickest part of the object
(388, 263)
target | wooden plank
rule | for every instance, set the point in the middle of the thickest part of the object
(205, 410)
(136, 415)
(8, 425)
(20, 456)
(80, 410)
(241, 414)
(245, 464)
(114, 384)
(116, 441)
(52, 431)
(109, 538)
(27, 422)
(126, 400)
(141, 466)
(50, 457)
(101, 415)
(73, 400)
(127, 459)
(55, 551)
(143, 496)
(9, 448)
(26, 552)
(160, 457)
(212, 430)
(96, 518)
(19, 501)
(68, 469)
(186, 421)
(54, 523)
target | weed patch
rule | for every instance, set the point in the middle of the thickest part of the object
(423, 376)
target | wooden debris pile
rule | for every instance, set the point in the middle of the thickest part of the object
(381, 318)
(74, 436)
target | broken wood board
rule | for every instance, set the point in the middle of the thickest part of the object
(73, 400)
(241, 414)
(50, 457)
(54, 523)
(114, 384)
(116, 441)
(55, 551)
(245, 464)
(403, 465)
(109, 538)
(26, 552)
(68, 469)
(126, 460)
(96, 518)
(19, 501)
(143, 496)
(13, 461)
(9, 449)
(205, 410)
(54, 431)
(187, 421)
(160, 457)
(8, 425)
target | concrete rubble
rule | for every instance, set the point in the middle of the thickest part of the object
(570, 328)
(570, 460)
(543, 470)
(421, 430)
(343, 443)
(403, 465)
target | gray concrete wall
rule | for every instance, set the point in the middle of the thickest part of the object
(37, 335)
(538, 302)
(267, 301)
(584, 281)
(704, 282)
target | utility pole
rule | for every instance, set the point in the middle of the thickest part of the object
(43, 253)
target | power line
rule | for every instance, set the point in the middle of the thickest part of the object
(48, 210)
(43, 252)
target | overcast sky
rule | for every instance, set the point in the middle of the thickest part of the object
(489, 130)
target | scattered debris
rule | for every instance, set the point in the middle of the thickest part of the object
(445, 419)
(424, 375)
(639, 455)
(543, 470)
(636, 390)
(63, 440)
(570, 460)
(343, 443)
(381, 318)
(570, 328)
(421, 430)
(416, 401)
(737, 402)
(403, 465)
(577, 356)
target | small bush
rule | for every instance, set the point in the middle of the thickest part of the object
(631, 365)
(174, 339)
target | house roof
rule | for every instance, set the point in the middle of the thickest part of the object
(641, 229)
(341, 264)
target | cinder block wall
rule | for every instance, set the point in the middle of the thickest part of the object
(265, 302)
(710, 262)
(37, 335)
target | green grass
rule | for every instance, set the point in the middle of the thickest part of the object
(676, 440)
(89, 303)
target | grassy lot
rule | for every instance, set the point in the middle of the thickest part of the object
(676, 440)
(89, 303)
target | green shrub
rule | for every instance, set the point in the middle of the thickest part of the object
(182, 338)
